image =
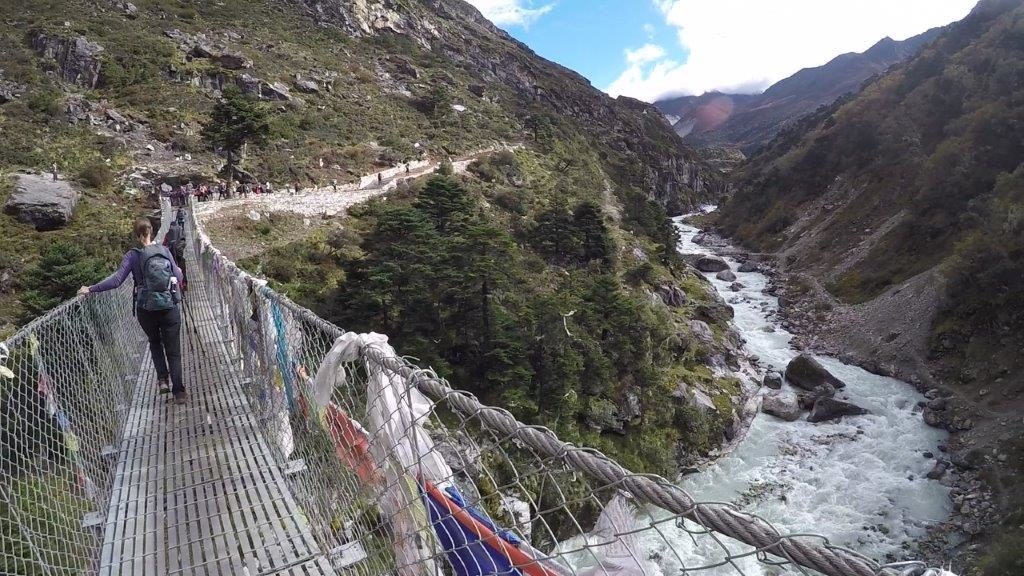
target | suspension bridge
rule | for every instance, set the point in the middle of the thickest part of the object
(307, 450)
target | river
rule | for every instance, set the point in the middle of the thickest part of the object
(859, 481)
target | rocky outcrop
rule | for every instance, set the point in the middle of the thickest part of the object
(831, 409)
(710, 264)
(748, 266)
(262, 89)
(807, 373)
(672, 296)
(307, 86)
(77, 59)
(127, 8)
(41, 201)
(702, 331)
(781, 404)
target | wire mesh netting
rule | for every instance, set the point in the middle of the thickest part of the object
(66, 380)
(395, 472)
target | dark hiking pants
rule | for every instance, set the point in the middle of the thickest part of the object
(163, 329)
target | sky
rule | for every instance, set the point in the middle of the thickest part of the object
(652, 49)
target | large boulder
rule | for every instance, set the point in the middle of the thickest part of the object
(781, 404)
(830, 409)
(78, 59)
(807, 373)
(41, 201)
(748, 266)
(726, 276)
(710, 264)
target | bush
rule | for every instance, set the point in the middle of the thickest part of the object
(45, 103)
(97, 175)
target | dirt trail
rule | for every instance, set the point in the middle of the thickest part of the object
(324, 200)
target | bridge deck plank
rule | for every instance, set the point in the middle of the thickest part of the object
(196, 488)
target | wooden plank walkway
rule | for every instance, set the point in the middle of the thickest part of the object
(196, 489)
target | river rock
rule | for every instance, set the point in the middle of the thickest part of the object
(932, 418)
(710, 264)
(808, 399)
(78, 59)
(726, 276)
(748, 266)
(937, 472)
(41, 201)
(831, 409)
(736, 286)
(781, 404)
(807, 373)
(702, 331)
(773, 380)
(937, 404)
(672, 296)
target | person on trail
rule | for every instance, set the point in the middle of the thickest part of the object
(380, 178)
(175, 241)
(156, 303)
(268, 188)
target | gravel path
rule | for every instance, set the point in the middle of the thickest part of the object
(324, 200)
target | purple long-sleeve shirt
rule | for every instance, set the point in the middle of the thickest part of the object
(123, 271)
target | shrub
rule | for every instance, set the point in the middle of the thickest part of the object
(97, 175)
(45, 103)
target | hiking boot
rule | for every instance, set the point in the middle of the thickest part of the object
(180, 397)
(163, 386)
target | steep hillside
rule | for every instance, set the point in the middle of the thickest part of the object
(548, 270)
(901, 210)
(747, 122)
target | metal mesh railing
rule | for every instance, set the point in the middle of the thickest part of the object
(396, 472)
(66, 381)
(379, 489)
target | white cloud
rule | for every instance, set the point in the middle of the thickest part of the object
(645, 54)
(511, 12)
(746, 45)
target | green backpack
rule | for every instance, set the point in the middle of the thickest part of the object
(154, 290)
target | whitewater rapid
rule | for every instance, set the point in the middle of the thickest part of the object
(859, 481)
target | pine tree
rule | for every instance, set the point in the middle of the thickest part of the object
(596, 242)
(236, 121)
(445, 202)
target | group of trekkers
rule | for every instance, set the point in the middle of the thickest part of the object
(221, 190)
(158, 271)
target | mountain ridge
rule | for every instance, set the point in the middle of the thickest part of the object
(747, 121)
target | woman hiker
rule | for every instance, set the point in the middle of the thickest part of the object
(156, 302)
